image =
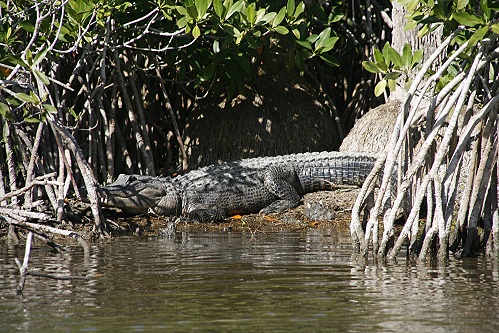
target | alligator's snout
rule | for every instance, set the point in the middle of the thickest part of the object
(135, 197)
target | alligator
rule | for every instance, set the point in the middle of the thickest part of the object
(263, 184)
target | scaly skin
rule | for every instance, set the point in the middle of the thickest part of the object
(265, 184)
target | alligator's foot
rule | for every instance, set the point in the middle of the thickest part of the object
(279, 206)
(206, 215)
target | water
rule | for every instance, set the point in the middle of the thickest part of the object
(278, 282)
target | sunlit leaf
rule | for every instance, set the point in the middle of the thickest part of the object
(219, 8)
(371, 67)
(196, 32)
(323, 36)
(4, 110)
(39, 57)
(495, 28)
(32, 120)
(202, 7)
(29, 57)
(378, 56)
(380, 88)
(300, 8)
(395, 57)
(478, 36)
(279, 17)
(417, 57)
(467, 19)
(407, 56)
(290, 7)
(50, 108)
(281, 30)
(41, 76)
(461, 4)
(234, 8)
(27, 98)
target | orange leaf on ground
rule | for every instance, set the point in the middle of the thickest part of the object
(237, 217)
(268, 218)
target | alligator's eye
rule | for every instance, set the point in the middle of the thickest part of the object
(130, 179)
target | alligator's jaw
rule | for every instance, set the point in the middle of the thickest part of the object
(133, 198)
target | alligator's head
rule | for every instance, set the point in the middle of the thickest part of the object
(142, 194)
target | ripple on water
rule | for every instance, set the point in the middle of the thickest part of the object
(291, 282)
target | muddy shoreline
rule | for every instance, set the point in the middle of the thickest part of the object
(332, 209)
(335, 208)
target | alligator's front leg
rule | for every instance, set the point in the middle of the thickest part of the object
(206, 215)
(279, 181)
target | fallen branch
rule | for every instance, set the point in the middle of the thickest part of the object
(40, 180)
(35, 227)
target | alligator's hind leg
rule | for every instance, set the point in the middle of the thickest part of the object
(278, 180)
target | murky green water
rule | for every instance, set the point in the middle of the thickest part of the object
(285, 282)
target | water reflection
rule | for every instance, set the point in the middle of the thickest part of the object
(289, 282)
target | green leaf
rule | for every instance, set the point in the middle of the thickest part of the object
(192, 12)
(410, 25)
(467, 19)
(39, 57)
(329, 44)
(323, 36)
(27, 98)
(183, 21)
(290, 7)
(386, 47)
(50, 108)
(4, 110)
(207, 73)
(41, 76)
(234, 8)
(243, 63)
(31, 120)
(266, 18)
(461, 4)
(392, 85)
(407, 56)
(259, 15)
(196, 32)
(182, 10)
(17, 61)
(380, 88)
(417, 57)
(305, 43)
(251, 14)
(495, 28)
(330, 59)
(281, 30)
(219, 8)
(392, 75)
(300, 8)
(378, 56)
(27, 26)
(484, 6)
(279, 17)
(201, 7)
(395, 57)
(371, 67)
(29, 57)
(478, 36)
